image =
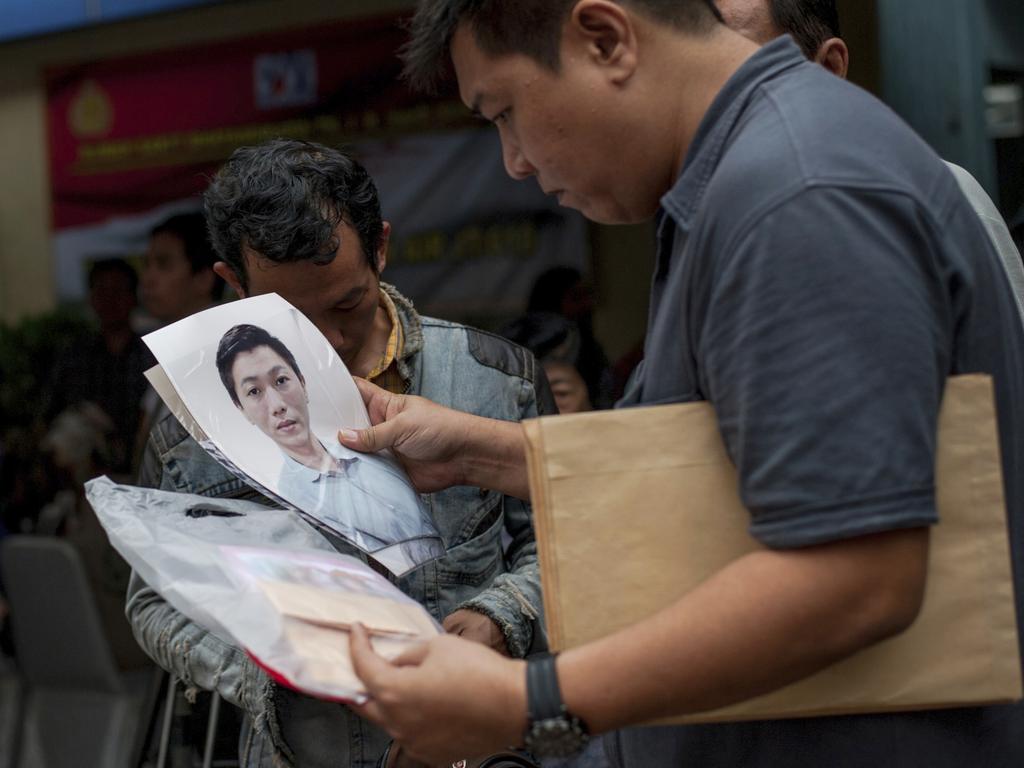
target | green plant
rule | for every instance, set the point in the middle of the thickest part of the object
(29, 351)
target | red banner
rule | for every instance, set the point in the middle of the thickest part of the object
(129, 134)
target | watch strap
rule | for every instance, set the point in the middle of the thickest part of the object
(543, 695)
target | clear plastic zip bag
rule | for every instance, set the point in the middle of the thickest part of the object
(261, 579)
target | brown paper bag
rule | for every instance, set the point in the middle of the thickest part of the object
(633, 508)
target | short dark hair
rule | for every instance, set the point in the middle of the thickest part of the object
(283, 199)
(245, 338)
(550, 288)
(549, 336)
(530, 27)
(190, 228)
(115, 265)
(810, 22)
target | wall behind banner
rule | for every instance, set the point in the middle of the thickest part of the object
(27, 279)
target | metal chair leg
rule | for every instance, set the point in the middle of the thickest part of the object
(165, 729)
(211, 729)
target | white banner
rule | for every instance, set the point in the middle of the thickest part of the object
(467, 240)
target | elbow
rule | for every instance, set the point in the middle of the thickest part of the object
(892, 611)
(868, 618)
(889, 603)
(876, 590)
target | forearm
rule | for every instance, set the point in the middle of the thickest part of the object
(767, 620)
(494, 456)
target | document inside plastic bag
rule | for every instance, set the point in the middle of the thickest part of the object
(261, 579)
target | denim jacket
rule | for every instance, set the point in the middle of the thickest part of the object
(490, 565)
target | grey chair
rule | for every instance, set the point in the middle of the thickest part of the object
(77, 708)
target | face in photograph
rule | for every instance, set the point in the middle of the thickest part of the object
(264, 382)
(272, 396)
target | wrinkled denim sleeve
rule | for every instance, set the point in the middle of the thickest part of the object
(514, 600)
(183, 648)
(190, 653)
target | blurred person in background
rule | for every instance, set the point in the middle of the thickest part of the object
(94, 406)
(177, 271)
(177, 281)
(563, 291)
(555, 342)
(814, 26)
(108, 369)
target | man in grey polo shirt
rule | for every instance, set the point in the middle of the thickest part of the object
(819, 276)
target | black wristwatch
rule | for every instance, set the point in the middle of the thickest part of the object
(552, 731)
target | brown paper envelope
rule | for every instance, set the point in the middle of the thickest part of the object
(633, 508)
(320, 656)
(341, 610)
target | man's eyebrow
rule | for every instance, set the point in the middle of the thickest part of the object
(255, 376)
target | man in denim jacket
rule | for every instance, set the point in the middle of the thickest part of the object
(304, 221)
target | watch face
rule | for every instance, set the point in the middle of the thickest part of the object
(556, 737)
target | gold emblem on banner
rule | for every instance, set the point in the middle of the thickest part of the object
(91, 113)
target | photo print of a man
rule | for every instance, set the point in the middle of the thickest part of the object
(362, 497)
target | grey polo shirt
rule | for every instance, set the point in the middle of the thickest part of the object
(819, 276)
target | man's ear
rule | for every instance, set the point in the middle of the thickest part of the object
(834, 56)
(226, 273)
(604, 31)
(381, 257)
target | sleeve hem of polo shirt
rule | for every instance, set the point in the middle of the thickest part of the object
(846, 520)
